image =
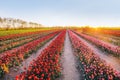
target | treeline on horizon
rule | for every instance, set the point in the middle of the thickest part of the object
(10, 23)
(14, 24)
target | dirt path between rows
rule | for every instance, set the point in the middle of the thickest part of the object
(110, 59)
(69, 62)
(26, 63)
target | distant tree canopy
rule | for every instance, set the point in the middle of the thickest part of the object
(8, 23)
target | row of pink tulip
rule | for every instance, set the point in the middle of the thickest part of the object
(104, 45)
(92, 66)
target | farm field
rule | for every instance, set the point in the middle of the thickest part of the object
(60, 54)
(59, 40)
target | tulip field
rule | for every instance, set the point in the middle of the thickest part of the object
(60, 54)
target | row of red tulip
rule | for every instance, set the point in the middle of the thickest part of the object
(46, 66)
(92, 66)
(15, 56)
(9, 44)
(2, 43)
(106, 46)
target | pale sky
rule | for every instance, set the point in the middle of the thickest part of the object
(64, 12)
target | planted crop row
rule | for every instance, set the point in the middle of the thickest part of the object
(20, 38)
(47, 65)
(107, 38)
(92, 66)
(12, 36)
(15, 56)
(20, 42)
(115, 50)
